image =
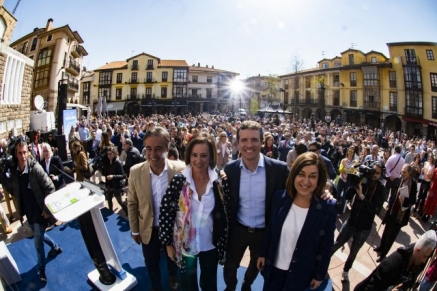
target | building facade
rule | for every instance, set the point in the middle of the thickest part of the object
(58, 54)
(369, 88)
(16, 73)
(145, 84)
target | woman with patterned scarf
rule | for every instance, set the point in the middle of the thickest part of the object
(402, 198)
(193, 218)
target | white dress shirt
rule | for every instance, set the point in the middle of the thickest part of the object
(159, 186)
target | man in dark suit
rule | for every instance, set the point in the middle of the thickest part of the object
(91, 145)
(53, 166)
(253, 180)
(315, 146)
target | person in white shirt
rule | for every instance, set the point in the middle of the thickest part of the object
(393, 168)
(193, 217)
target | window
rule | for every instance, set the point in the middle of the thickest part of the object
(336, 98)
(119, 77)
(392, 79)
(149, 77)
(393, 102)
(180, 75)
(208, 93)
(164, 76)
(42, 77)
(336, 80)
(433, 82)
(135, 65)
(49, 38)
(86, 92)
(430, 55)
(148, 92)
(337, 64)
(179, 91)
(412, 78)
(286, 84)
(163, 92)
(373, 59)
(208, 79)
(325, 65)
(434, 107)
(351, 59)
(307, 82)
(105, 78)
(117, 94)
(414, 103)
(149, 65)
(353, 98)
(195, 79)
(134, 77)
(308, 96)
(44, 57)
(370, 76)
(13, 80)
(353, 79)
(133, 93)
(105, 92)
(194, 92)
(410, 57)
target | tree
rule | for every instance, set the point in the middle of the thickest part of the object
(296, 63)
(254, 104)
(270, 89)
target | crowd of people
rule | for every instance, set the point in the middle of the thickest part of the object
(204, 189)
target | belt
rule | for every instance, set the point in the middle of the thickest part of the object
(251, 229)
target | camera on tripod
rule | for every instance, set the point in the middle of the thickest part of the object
(364, 173)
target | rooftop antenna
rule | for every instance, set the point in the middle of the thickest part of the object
(353, 45)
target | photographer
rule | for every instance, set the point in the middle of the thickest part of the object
(368, 201)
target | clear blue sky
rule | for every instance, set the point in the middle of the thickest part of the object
(250, 37)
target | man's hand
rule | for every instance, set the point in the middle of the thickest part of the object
(327, 195)
(261, 263)
(53, 177)
(171, 253)
(315, 284)
(136, 238)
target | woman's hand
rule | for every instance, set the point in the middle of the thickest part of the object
(171, 253)
(315, 284)
(327, 195)
(261, 263)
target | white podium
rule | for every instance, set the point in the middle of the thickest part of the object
(75, 200)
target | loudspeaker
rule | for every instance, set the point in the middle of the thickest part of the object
(31, 135)
(62, 146)
(62, 105)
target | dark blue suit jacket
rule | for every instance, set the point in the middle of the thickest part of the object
(312, 254)
(276, 176)
(329, 167)
(54, 167)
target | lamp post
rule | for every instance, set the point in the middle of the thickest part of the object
(322, 99)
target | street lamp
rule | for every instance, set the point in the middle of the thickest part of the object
(322, 99)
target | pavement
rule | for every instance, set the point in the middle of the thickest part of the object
(362, 267)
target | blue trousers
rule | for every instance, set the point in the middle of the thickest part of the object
(39, 238)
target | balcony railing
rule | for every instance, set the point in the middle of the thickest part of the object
(164, 80)
(76, 51)
(353, 104)
(73, 85)
(148, 96)
(148, 80)
(133, 81)
(119, 81)
(371, 105)
(410, 61)
(132, 97)
(308, 101)
(74, 66)
(149, 67)
(195, 96)
(134, 67)
(414, 111)
(393, 107)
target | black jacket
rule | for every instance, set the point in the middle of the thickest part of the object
(133, 157)
(115, 169)
(54, 167)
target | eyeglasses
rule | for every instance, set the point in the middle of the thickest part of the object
(312, 150)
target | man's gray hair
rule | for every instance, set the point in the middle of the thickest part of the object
(427, 240)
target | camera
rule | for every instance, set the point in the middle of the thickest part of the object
(7, 159)
(364, 173)
(98, 161)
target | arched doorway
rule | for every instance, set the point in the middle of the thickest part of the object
(393, 123)
(133, 108)
(306, 113)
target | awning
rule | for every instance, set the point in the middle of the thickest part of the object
(73, 106)
(115, 106)
(416, 120)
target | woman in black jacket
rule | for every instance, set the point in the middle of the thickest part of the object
(269, 149)
(114, 177)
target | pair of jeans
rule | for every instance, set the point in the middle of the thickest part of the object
(39, 238)
(152, 256)
(426, 285)
(358, 239)
(208, 262)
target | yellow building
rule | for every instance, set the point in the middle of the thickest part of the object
(58, 54)
(369, 88)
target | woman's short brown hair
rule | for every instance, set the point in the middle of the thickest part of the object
(205, 139)
(303, 160)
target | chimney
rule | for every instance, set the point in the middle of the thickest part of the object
(49, 24)
(212, 67)
(198, 64)
(207, 66)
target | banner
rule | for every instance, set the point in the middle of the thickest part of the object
(70, 119)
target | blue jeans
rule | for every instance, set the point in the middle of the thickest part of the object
(40, 236)
(426, 285)
(359, 238)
